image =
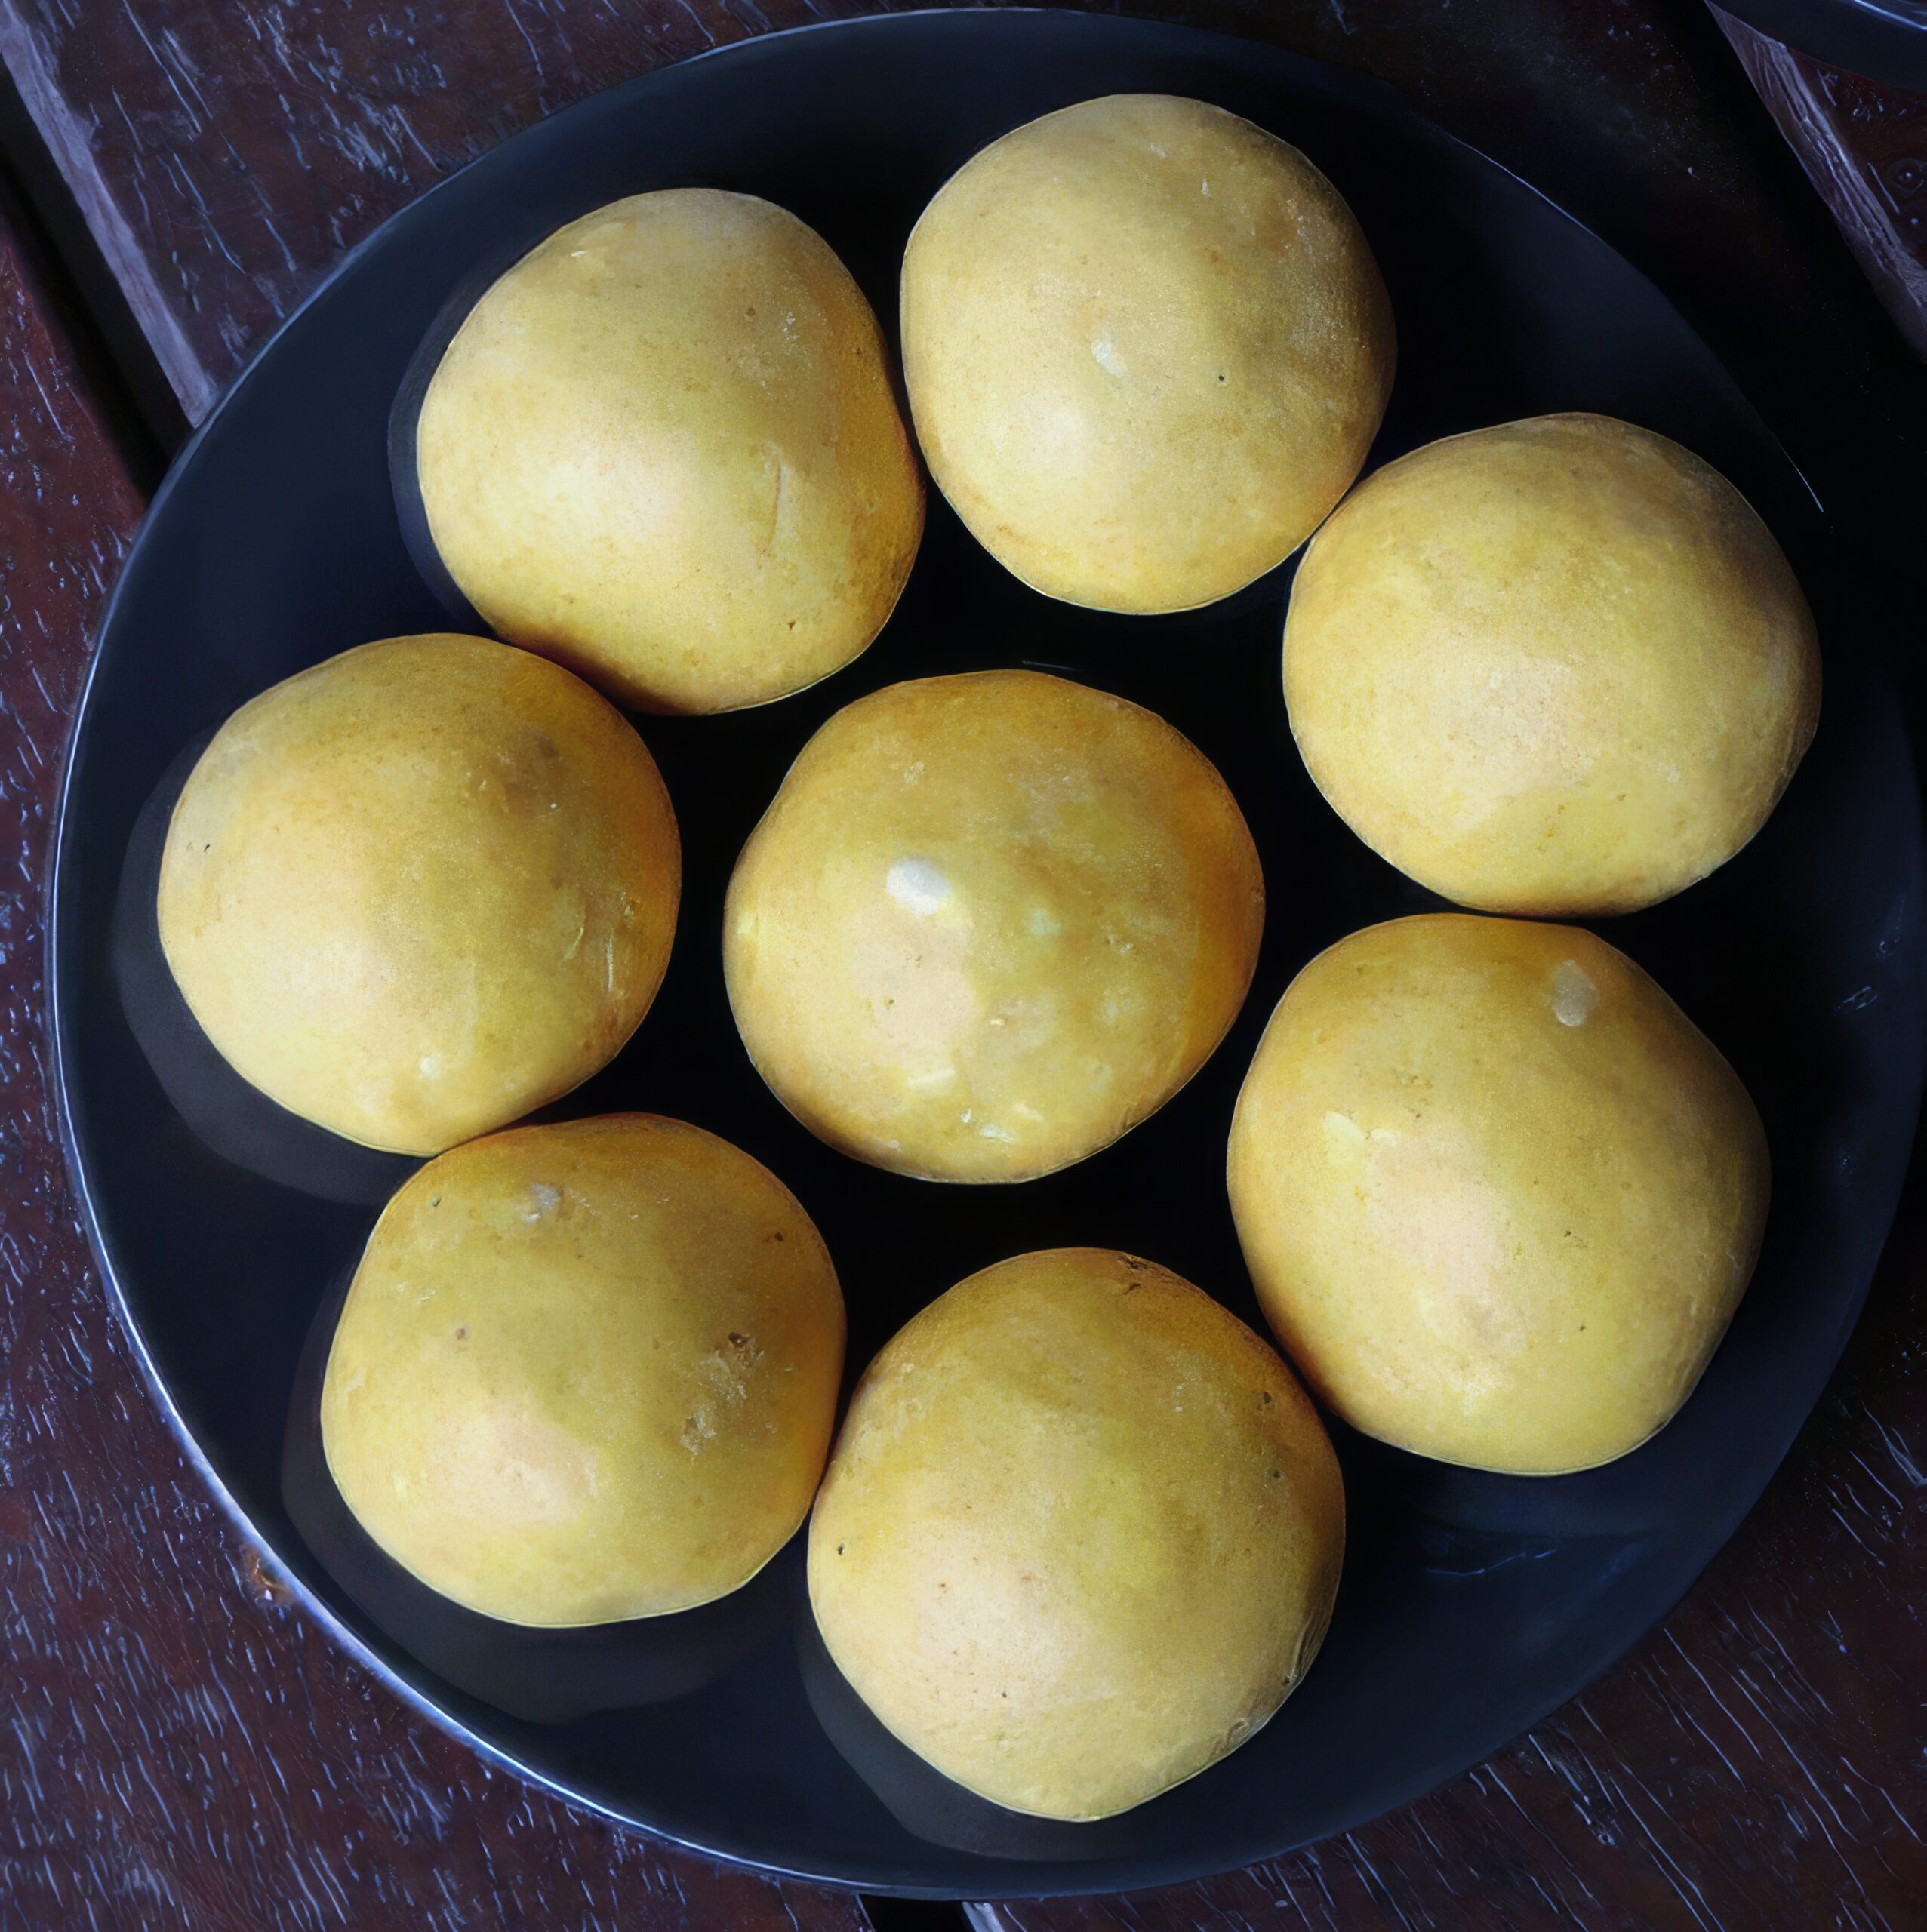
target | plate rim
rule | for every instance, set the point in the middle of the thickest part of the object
(63, 960)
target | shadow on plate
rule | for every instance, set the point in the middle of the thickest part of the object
(236, 1120)
(541, 1676)
(918, 1795)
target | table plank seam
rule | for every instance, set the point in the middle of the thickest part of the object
(68, 140)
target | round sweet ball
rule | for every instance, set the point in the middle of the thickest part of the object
(1557, 667)
(664, 450)
(1147, 348)
(1498, 1195)
(989, 923)
(585, 1372)
(421, 889)
(1080, 1535)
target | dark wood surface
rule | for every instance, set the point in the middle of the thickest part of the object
(177, 1747)
(1864, 146)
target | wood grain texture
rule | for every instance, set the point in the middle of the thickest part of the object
(179, 1751)
(227, 156)
(175, 1751)
(1864, 145)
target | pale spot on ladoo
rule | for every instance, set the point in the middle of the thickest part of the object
(1574, 994)
(917, 887)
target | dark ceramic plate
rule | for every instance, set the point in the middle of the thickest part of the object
(1471, 1604)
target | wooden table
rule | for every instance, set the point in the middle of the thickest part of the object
(178, 1748)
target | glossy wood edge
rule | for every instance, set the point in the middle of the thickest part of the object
(1864, 146)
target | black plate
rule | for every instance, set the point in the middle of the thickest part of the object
(1471, 1604)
